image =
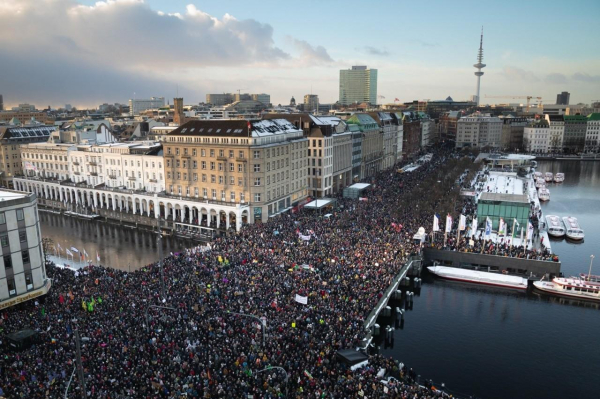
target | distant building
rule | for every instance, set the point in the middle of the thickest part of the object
(178, 116)
(479, 130)
(311, 103)
(358, 85)
(512, 132)
(263, 98)
(447, 125)
(1, 103)
(536, 137)
(555, 109)
(563, 98)
(68, 107)
(219, 99)
(592, 133)
(138, 105)
(229, 98)
(575, 132)
(372, 144)
(24, 108)
(22, 267)
(411, 141)
(557, 132)
(439, 107)
(23, 117)
(292, 102)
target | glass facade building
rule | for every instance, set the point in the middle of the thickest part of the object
(506, 206)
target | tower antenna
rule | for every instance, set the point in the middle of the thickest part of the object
(479, 66)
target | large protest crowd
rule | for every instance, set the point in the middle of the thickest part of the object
(196, 344)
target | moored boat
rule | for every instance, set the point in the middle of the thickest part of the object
(570, 287)
(544, 194)
(559, 177)
(479, 277)
(554, 226)
(548, 176)
(572, 229)
(539, 183)
(538, 175)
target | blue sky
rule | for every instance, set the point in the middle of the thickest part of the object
(422, 50)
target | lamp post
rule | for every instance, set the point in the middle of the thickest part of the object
(590, 272)
(280, 369)
(261, 321)
(79, 366)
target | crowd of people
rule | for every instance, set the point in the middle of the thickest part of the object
(502, 248)
(194, 342)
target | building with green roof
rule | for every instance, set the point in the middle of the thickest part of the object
(371, 151)
(575, 132)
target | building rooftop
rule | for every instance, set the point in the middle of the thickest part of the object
(7, 195)
(519, 198)
(504, 186)
(234, 128)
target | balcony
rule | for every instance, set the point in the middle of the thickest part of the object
(93, 163)
(153, 181)
(112, 177)
(75, 163)
(223, 158)
(131, 177)
(93, 174)
(77, 173)
(241, 160)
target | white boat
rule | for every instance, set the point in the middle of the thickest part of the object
(559, 177)
(479, 277)
(573, 231)
(539, 183)
(570, 287)
(548, 176)
(554, 226)
(544, 194)
(538, 175)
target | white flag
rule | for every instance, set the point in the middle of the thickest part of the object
(462, 223)
(474, 225)
(517, 223)
(529, 231)
(436, 222)
(448, 223)
(85, 253)
(488, 227)
(69, 252)
(74, 249)
(302, 299)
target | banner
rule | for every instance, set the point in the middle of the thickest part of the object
(97, 256)
(502, 228)
(302, 299)
(488, 227)
(462, 223)
(448, 223)
(436, 222)
(303, 237)
(474, 225)
(529, 231)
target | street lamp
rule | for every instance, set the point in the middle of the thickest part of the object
(280, 369)
(261, 321)
(590, 272)
(78, 366)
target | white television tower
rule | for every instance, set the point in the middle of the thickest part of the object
(479, 65)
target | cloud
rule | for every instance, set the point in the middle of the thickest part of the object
(585, 77)
(514, 73)
(310, 55)
(557, 78)
(375, 51)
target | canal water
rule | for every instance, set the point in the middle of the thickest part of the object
(120, 247)
(494, 343)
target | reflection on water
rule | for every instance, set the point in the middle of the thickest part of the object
(120, 247)
(496, 343)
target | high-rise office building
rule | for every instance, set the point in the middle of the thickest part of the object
(563, 98)
(311, 103)
(1, 103)
(139, 105)
(358, 85)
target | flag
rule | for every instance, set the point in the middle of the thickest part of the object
(448, 223)
(488, 227)
(302, 299)
(59, 247)
(74, 249)
(85, 253)
(529, 231)
(97, 256)
(462, 223)
(516, 224)
(502, 227)
(396, 99)
(436, 222)
(69, 252)
(474, 225)
(308, 375)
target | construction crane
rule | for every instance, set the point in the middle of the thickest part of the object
(539, 99)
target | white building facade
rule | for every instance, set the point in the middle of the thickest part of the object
(536, 138)
(22, 269)
(592, 133)
(479, 131)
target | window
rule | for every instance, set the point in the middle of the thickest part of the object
(214, 194)
(256, 154)
(230, 153)
(256, 167)
(203, 164)
(221, 166)
(213, 178)
(4, 240)
(220, 179)
(240, 181)
(20, 215)
(205, 192)
(221, 153)
(232, 180)
(257, 197)
(268, 166)
(257, 181)
(241, 155)
(240, 167)
(204, 178)
(202, 153)
(222, 195)
(176, 151)
(212, 166)
(242, 197)
(195, 176)
(196, 191)
(10, 282)
(7, 262)
(232, 167)
(28, 281)
(2, 218)
(195, 164)
(22, 236)
(212, 153)
(25, 255)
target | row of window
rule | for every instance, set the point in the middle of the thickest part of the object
(20, 216)
(8, 259)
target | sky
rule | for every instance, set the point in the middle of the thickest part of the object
(85, 53)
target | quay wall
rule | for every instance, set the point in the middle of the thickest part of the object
(528, 267)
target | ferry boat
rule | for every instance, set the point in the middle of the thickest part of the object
(573, 231)
(548, 176)
(570, 287)
(590, 277)
(479, 277)
(559, 177)
(544, 194)
(539, 183)
(554, 226)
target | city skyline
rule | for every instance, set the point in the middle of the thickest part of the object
(87, 53)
